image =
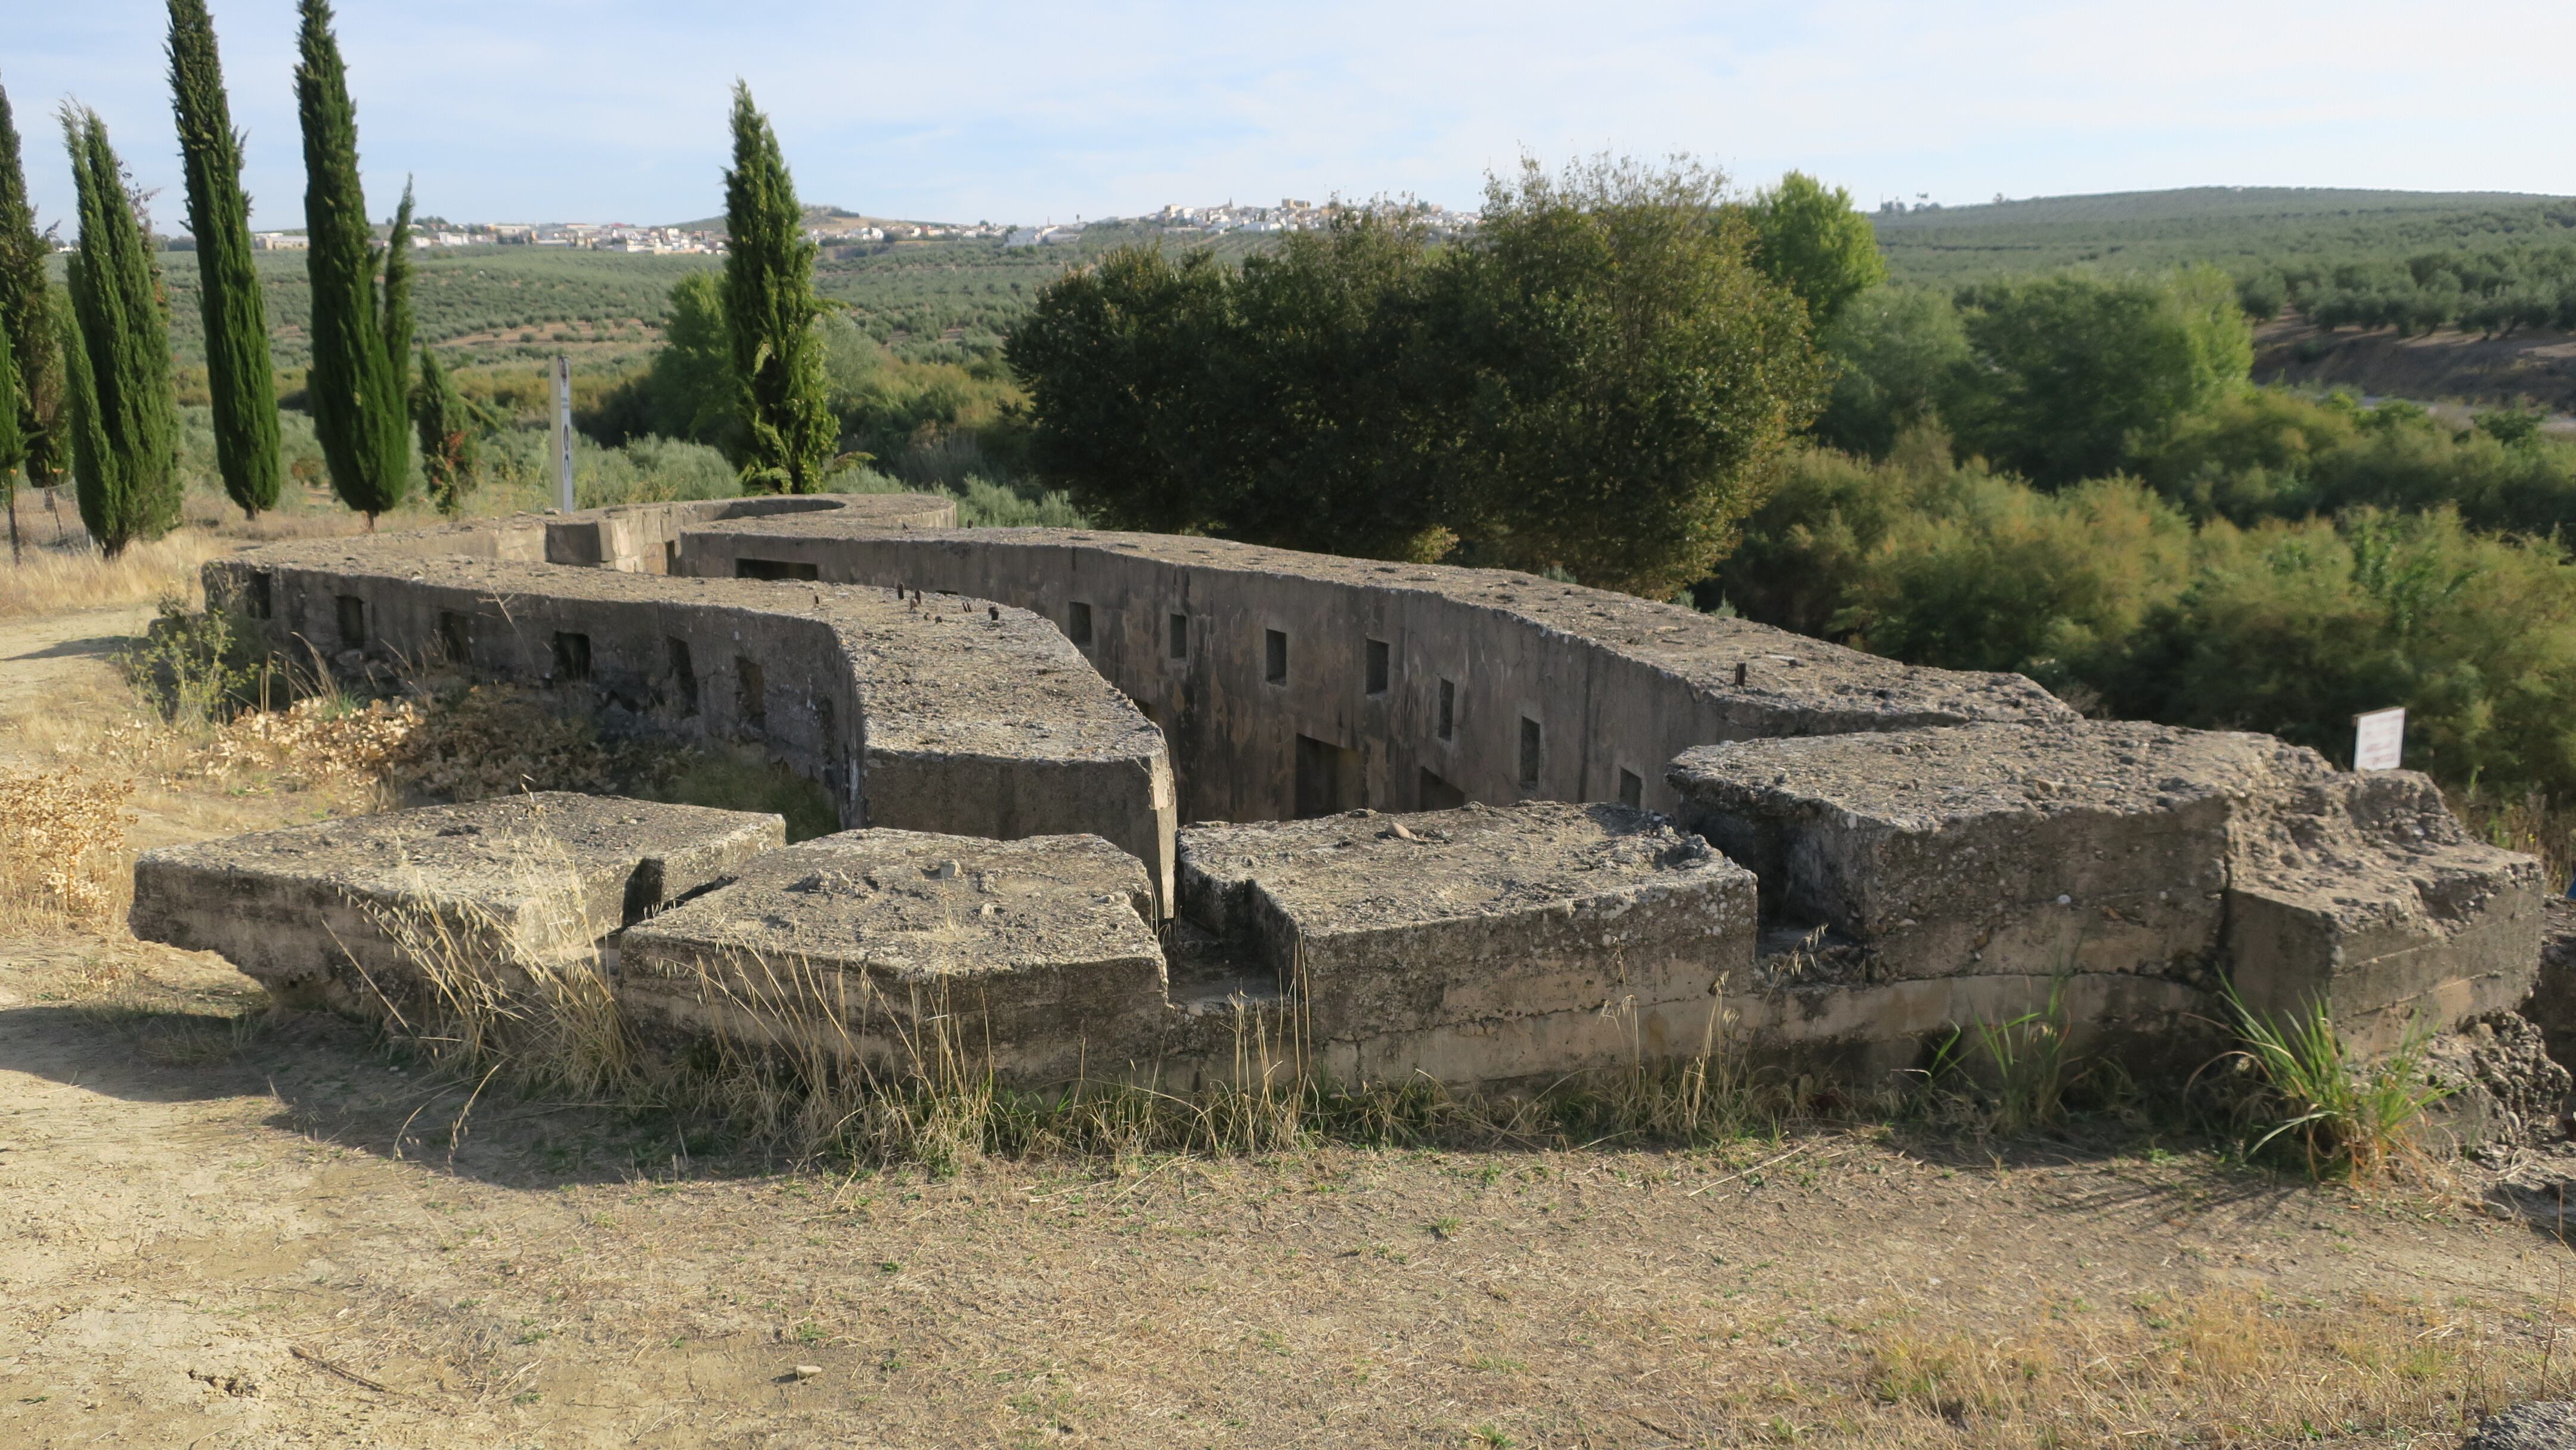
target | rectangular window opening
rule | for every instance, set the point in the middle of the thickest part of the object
(750, 692)
(1438, 794)
(1632, 790)
(1448, 710)
(454, 641)
(572, 655)
(775, 569)
(1378, 667)
(1328, 778)
(353, 621)
(1077, 623)
(670, 556)
(1179, 647)
(1274, 656)
(684, 678)
(1529, 753)
(263, 595)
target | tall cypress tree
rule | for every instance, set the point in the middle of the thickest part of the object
(771, 307)
(237, 361)
(125, 418)
(13, 442)
(27, 315)
(361, 349)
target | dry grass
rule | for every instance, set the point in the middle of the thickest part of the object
(52, 581)
(2527, 822)
(2221, 1367)
(63, 858)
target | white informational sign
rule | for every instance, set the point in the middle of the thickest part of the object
(2379, 739)
(562, 371)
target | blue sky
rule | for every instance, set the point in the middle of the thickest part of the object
(951, 110)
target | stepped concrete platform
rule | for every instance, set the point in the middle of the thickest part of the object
(1483, 943)
(342, 914)
(1032, 955)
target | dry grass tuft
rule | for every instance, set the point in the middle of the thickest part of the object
(51, 581)
(318, 740)
(63, 860)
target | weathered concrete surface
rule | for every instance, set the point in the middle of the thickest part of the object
(1479, 944)
(2129, 850)
(336, 914)
(1553, 691)
(2365, 891)
(2552, 1003)
(948, 713)
(1031, 954)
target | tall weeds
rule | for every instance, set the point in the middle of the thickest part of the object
(2348, 1117)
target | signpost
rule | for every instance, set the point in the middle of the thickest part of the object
(2379, 739)
(562, 371)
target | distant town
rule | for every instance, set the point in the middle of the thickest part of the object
(843, 234)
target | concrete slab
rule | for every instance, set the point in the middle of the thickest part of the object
(2365, 891)
(1480, 944)
(884, 943)
(330, 915)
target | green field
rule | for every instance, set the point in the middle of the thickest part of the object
(2239, 229)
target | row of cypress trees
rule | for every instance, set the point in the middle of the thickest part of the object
(85, 383)
(85, 377)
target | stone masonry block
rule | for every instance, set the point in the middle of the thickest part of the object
(335, 914)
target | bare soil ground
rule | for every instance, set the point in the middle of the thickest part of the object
(2538, 367)
(224, 1226)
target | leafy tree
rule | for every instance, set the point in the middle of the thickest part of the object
(33, 329)
(1625, 375)
(2078, 376)
(447, 435)
(1595, 383)
(1899, 356)
(1816, 244)
(125, 418)
(238, 373)
(361, 346)
(771, 305)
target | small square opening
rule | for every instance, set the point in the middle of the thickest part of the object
(1378, 666)
(263, 594)
(572, 655)
(353, 621)
(1529, 753)
(454, 642)
(1179, 646)
(1274, 656)
(1632, 790)
(1077, 622)
(1448, 710)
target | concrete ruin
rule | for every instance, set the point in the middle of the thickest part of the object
(1103, 793)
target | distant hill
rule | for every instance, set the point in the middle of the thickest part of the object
(2236, 228)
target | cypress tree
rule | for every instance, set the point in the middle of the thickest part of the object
(361, 347)
(125, 418)
(446, 435)
(771, 307)
(13, 444)
(27, 314)
(237, 362)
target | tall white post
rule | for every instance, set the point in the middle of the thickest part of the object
(563, 433)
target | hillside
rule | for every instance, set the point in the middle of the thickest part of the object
(2236, 228)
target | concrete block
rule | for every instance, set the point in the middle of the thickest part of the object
(329, 915)
(2364, 890)
(1983, 849)
(1035, 954)
(1480, 944)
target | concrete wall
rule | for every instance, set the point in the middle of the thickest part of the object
(1269, 704)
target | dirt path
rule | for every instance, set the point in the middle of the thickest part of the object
(224, 1227)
